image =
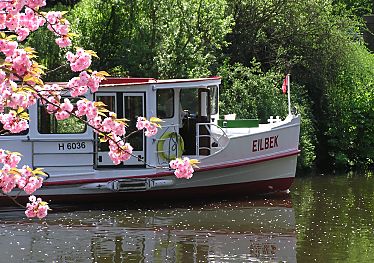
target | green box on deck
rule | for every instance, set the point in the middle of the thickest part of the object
(244, 123)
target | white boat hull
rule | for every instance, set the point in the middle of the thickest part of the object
(267, 175)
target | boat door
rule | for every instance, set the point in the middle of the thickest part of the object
(134, 107)
(129, 106)
(195, 102)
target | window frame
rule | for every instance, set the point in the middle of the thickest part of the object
(173, 106)
(39, 123)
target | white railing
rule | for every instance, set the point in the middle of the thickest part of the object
(218, 138)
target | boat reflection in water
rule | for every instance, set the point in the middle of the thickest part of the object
(231, 231)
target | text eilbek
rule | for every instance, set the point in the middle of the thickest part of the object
(264, 143)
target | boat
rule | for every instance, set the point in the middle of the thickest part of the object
(237, 156)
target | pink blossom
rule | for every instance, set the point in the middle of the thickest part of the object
(52, 102)
(34, 183)
(110, 124)
(80, 61)
(151, 127)
(12, 22)
(7, 181)
(65, 110)
(88, 108)
(151, 130)
(96, 123)
(8, 47)
(28, 181)
(66, 106)
(21, 62)
(81, 107)
(22, 33)
(94, 81)
(36, 208)
(79, 85)
(9, 158)
(2, 21)
(92, 110)
(35, 3)
(29, 20)
(183, 167)
(140, 123)
(119, 151)
(53, 17)
(63, 42)
(13, 123)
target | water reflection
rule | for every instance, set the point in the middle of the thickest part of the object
(334, 218)
(230, 231)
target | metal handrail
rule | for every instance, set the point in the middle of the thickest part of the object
(208, 126)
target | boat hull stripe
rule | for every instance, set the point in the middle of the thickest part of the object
(171, 173)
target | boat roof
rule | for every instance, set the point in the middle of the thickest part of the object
(110, 82)
(155, 83)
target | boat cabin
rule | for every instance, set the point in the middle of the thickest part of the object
(188, 108)
(181, 104)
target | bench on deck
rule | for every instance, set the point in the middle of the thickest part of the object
(240, 123)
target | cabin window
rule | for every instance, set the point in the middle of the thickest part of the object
(213, 99)
(165, 103)
(48, 124)
(8, 133)
(189, 99)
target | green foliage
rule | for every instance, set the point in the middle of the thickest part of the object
(251, 93)
(351, 109)
(70, 125)
(355, 7)
(308, 140)
(153, 38)
(315, 41)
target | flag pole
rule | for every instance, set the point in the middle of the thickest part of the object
(289, 93)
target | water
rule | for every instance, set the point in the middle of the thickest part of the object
(324, 219)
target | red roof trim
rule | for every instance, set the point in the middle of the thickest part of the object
(126, 80)
(143, 81)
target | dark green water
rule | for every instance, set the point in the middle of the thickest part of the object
(323, 219)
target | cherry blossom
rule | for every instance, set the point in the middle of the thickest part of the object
(26, 178)
(13, 122)
(149, 126)
(111, 124)
(36, 208)
(119, 151)
(183, 167)
(64, 110)
(63, 42)
(79, 85)
(80, 61)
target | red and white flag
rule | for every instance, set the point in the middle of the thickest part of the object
(285, 84)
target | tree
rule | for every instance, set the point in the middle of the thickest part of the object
(314, 40)
(153, 38)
